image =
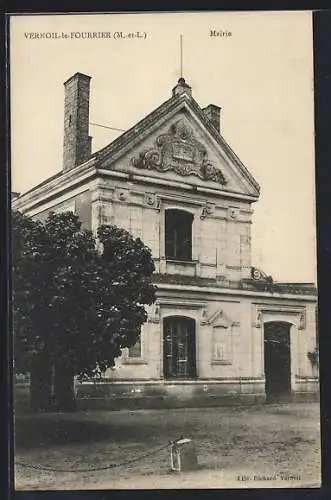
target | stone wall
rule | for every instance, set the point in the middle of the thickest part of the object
(79, 204)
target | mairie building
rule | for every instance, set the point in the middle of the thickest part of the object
(221, 330)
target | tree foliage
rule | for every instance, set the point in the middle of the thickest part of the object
(76, 299)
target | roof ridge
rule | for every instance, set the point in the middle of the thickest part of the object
(131, 130)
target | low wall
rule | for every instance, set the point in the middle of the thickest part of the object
(116, 395)
(159, 394)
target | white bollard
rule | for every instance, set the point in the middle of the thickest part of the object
(183, 455)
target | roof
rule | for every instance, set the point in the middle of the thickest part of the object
(44, 182)
(133, 134)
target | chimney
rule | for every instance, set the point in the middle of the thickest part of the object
(77, 143)
(181, 88)
(213, 114)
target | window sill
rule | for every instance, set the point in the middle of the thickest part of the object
(134, 361)
(220, 362)
(182, 262)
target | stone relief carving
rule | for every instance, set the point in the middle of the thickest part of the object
(154, 317)
(257, 323)
(152, 200)
(203, 318)
(233, 212)
(123, 194)
(178, 150)
(205, 211)
(220, 319)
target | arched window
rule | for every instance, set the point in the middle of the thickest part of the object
(179, 351)
(178, 235)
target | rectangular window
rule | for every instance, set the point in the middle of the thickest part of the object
(135, 351)
(178, 235)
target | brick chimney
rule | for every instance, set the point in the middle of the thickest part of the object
(213, 113)
(77, 142)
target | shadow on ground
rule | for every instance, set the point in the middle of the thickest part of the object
(219, 427)
(33, 431)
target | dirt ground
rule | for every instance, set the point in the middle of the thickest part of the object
(237, 447)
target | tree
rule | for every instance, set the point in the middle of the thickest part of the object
(75, 306)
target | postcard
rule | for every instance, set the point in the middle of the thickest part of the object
(164, 251)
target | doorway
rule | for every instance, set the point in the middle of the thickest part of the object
(277, 361)
(179, 351)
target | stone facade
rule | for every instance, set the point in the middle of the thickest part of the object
(205, 340)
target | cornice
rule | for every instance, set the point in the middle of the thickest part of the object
(56, 187)
(236, 292)
(141, 178)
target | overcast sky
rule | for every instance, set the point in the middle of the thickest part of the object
(261, 76)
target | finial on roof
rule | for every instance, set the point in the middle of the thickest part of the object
(182, 88)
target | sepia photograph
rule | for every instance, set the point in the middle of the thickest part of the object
(163, 227)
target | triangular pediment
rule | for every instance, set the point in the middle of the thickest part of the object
(177, 142)
(219, 320)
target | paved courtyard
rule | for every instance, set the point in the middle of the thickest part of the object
(238, 447)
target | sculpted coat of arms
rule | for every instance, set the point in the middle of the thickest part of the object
(179, 151)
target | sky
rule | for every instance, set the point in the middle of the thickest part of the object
(261, 76)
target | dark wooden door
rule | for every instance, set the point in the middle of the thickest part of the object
(179, 347)
(277, 360)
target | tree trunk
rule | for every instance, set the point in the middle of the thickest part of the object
(40, 383)
(64, 386)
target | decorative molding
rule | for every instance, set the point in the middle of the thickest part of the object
(154, 316)
(233, 213)
(181, 303)
(302, 321)
(278, 307)
(101, 192)
(257, 323)
(221, 338)
(122, 194)
(203, 319)
(206, 210)
(220, 362)
(299, 312)
(179, 151)
(155, 181)
(152, 200)
(182, 199)
(57, 186)
(219, 319)
(226, 291)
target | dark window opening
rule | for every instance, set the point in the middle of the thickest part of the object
(179, 351)
(178, 235)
